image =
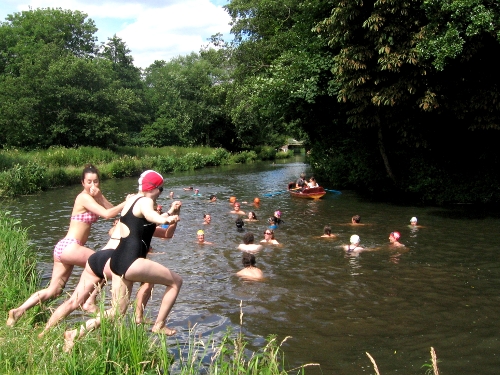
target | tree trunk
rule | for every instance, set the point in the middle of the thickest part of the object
(384, 155)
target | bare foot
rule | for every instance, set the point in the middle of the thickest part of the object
(13, 317)
(164, 330)
(69, 340)
(40, 335)
(90, 307)
(141, 320)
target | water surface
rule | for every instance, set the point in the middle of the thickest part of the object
(440, 291)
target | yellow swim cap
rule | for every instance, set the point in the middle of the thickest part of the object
(200, 232)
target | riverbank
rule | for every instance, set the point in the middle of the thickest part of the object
(23, 173)
(120, 347)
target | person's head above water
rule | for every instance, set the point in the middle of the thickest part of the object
(413, 220)
(355, 239)
(248, 238)
(327, 230)
(395, 235)
(248, 260)
(356, 219)
(239, 223)
(150, 180)
(252, 216)
(277, 214)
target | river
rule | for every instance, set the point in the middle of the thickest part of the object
(440, 291)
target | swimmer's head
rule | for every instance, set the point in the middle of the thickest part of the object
(277, 213)
(327, 230)
(248, 259)
(213, 197)
(239, 223)
(395, 235)
(413, 220)
(232, 199)
(150, 180)
(200, 232)
(356, 219)
(236, 204)
(355, 239)
(256, 200)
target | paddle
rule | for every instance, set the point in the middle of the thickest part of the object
(277, 192)
(333, 191)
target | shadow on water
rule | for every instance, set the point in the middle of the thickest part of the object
(440, 290)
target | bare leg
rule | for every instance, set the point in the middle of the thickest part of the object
(152, 272)
(60, 275)
(170, 230)
(142, 298)
(88, 284)
(121, 291)
(90, 304)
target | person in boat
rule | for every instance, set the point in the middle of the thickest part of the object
(269, 237)
(354, 247)
(312, 183)
(200, 235)
(90, 204)
(252, 216)
(128, 262)
(327, 232)
(250, 272)
(301, 183)
(237, 210)
(394, 239)
(248, 243)
(207, 219)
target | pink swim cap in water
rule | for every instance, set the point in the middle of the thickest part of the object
(396, 235)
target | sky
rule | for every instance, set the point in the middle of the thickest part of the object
(152, 29)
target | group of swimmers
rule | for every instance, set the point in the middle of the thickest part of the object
(123, 259)
(354, 247)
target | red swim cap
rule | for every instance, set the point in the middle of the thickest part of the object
(150, 180)
(396, 235)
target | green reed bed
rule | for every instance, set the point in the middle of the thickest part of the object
(34, 171)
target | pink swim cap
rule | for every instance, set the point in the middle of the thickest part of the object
(396, 235)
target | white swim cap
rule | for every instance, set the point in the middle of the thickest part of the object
(413, 219)
(355, 239)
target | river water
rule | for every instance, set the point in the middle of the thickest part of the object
(440, 291)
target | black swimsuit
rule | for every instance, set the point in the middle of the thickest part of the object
(135, 245)
(98, 260)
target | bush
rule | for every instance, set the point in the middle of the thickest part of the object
(266, 152)
(219, 156)
(244, 157)
(23, 180)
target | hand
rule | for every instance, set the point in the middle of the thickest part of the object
(94, 191)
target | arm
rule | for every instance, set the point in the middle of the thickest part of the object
(90, 204)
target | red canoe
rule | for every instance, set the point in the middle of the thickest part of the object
(313, 193)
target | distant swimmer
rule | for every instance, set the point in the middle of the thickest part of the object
(201, 238)
(248, 244)
(354, 247)
(269, 237)
(213, 198)
(250, 272)
(236, 209)
(252, 216)
(196, 193)
(239, 224)
(327, 232)
(207, 219)
(394, 239)
(188, 188)
(413, 223)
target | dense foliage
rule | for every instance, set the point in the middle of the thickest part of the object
(391, 96)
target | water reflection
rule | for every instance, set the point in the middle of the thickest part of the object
(440, 290)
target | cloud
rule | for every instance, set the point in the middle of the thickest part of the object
(152, 29)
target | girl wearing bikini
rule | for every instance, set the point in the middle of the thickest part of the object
(128, 262)
(71, 250)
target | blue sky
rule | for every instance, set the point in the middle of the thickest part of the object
(152, 29)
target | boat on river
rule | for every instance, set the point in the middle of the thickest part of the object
(312, 193)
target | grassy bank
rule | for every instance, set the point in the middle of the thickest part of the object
(24, 173)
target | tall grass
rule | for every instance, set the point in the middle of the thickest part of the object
(23, 173)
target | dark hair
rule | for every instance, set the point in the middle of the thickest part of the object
(248, 260)
(254, 217)
(213, 196)
(273, 220)
(205, 215)
(272, 233)
(356, 218)
(248, 238)
(239, 222)
(327, 230)
(89, 168)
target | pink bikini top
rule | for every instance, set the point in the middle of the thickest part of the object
(86, 217)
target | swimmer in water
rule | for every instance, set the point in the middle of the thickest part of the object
(250, 272)
(394, 239)
(269, 237)
(201, 238)
(237, 210)
(207, 219)
(354, 247)
(327, 232)
(248, 244)
(252, 216)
